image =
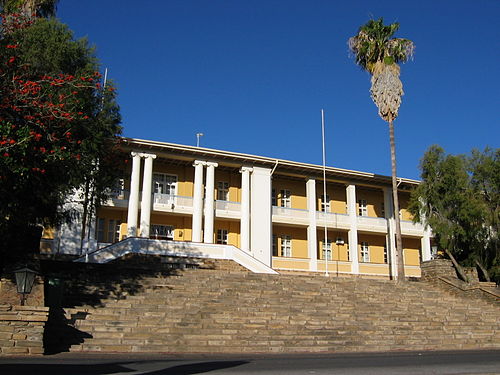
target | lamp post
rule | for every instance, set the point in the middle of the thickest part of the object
(25, 278)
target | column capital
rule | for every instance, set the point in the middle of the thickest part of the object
(211, 164)
(246, 169)
(143, 155)
(199, 162)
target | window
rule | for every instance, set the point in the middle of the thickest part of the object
(273, 198)
(365, 252)
(362, 210)
(223, 191)
(325, 203)
(275, 245)
(164, 184)
(327, 249)
(100, 230)
(114, 230)
(286, 246)
(286, 198)
(222, 236)
(162, 232)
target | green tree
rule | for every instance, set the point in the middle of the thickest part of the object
(378, 54)
(58, 126)
(459, 199)
(40, 8)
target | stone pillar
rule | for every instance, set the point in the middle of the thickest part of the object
(133, 200)
(245, 208)
(260, 215)
(197, 200)
(391, 232)
(147, 184)
(353, 228)
(208, 232)
(312, 240)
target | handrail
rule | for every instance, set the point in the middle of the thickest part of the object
(139, 245)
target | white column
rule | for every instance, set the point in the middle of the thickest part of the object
(312, 240)
(425, 242)
(245, 208)
(197, 200)
(147, 183)
(391, 233)
(133, 200)
(208, 232)
(260, 215)
(353, 228)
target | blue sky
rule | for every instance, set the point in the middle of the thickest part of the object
(254, 75)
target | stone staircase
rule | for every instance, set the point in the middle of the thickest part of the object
(229, 310)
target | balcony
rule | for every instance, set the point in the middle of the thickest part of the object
(227, 209)
(410, 229)
(172, 203)
(372, 224)
(288, 215)
(332, 220)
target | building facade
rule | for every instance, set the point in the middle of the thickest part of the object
(275, 210)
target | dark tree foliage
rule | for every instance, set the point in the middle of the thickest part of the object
(459, 199)
(58, 127)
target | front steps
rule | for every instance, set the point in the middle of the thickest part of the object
(222, 311)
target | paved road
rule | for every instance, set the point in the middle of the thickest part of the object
(407, 363)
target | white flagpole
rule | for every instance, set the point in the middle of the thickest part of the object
(323, 201)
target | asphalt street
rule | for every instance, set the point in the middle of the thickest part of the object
(400, 363)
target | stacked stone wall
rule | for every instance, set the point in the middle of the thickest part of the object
(21, 329)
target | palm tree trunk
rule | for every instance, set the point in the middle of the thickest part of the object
(399, 242)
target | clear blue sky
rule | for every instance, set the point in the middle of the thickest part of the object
(254, 75)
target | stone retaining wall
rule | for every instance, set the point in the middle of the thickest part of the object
(21, 329)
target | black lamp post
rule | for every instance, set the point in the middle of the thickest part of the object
(25, 278)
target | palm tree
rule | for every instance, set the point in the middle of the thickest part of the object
(42, 8)
(376, 53)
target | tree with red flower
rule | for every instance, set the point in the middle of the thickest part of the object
(58, 126)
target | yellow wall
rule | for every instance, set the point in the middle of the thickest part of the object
(404, 199)
(234, 180)
(411, 249)
(340, 252)
(181, 224)
(374, 201)
(376, 244)
(299, 240)
(297, 190)
(185, 176)
(290, 264)
(373, 269)
(337, 195)
(334, 266)
(233, 228)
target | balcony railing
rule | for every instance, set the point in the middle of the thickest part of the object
(332, 219)
(296, 213)
(369, 221)
(228, 206)
(173, 201)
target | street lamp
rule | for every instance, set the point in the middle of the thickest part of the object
(25, 278)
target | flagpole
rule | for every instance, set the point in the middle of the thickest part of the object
(325, 243)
